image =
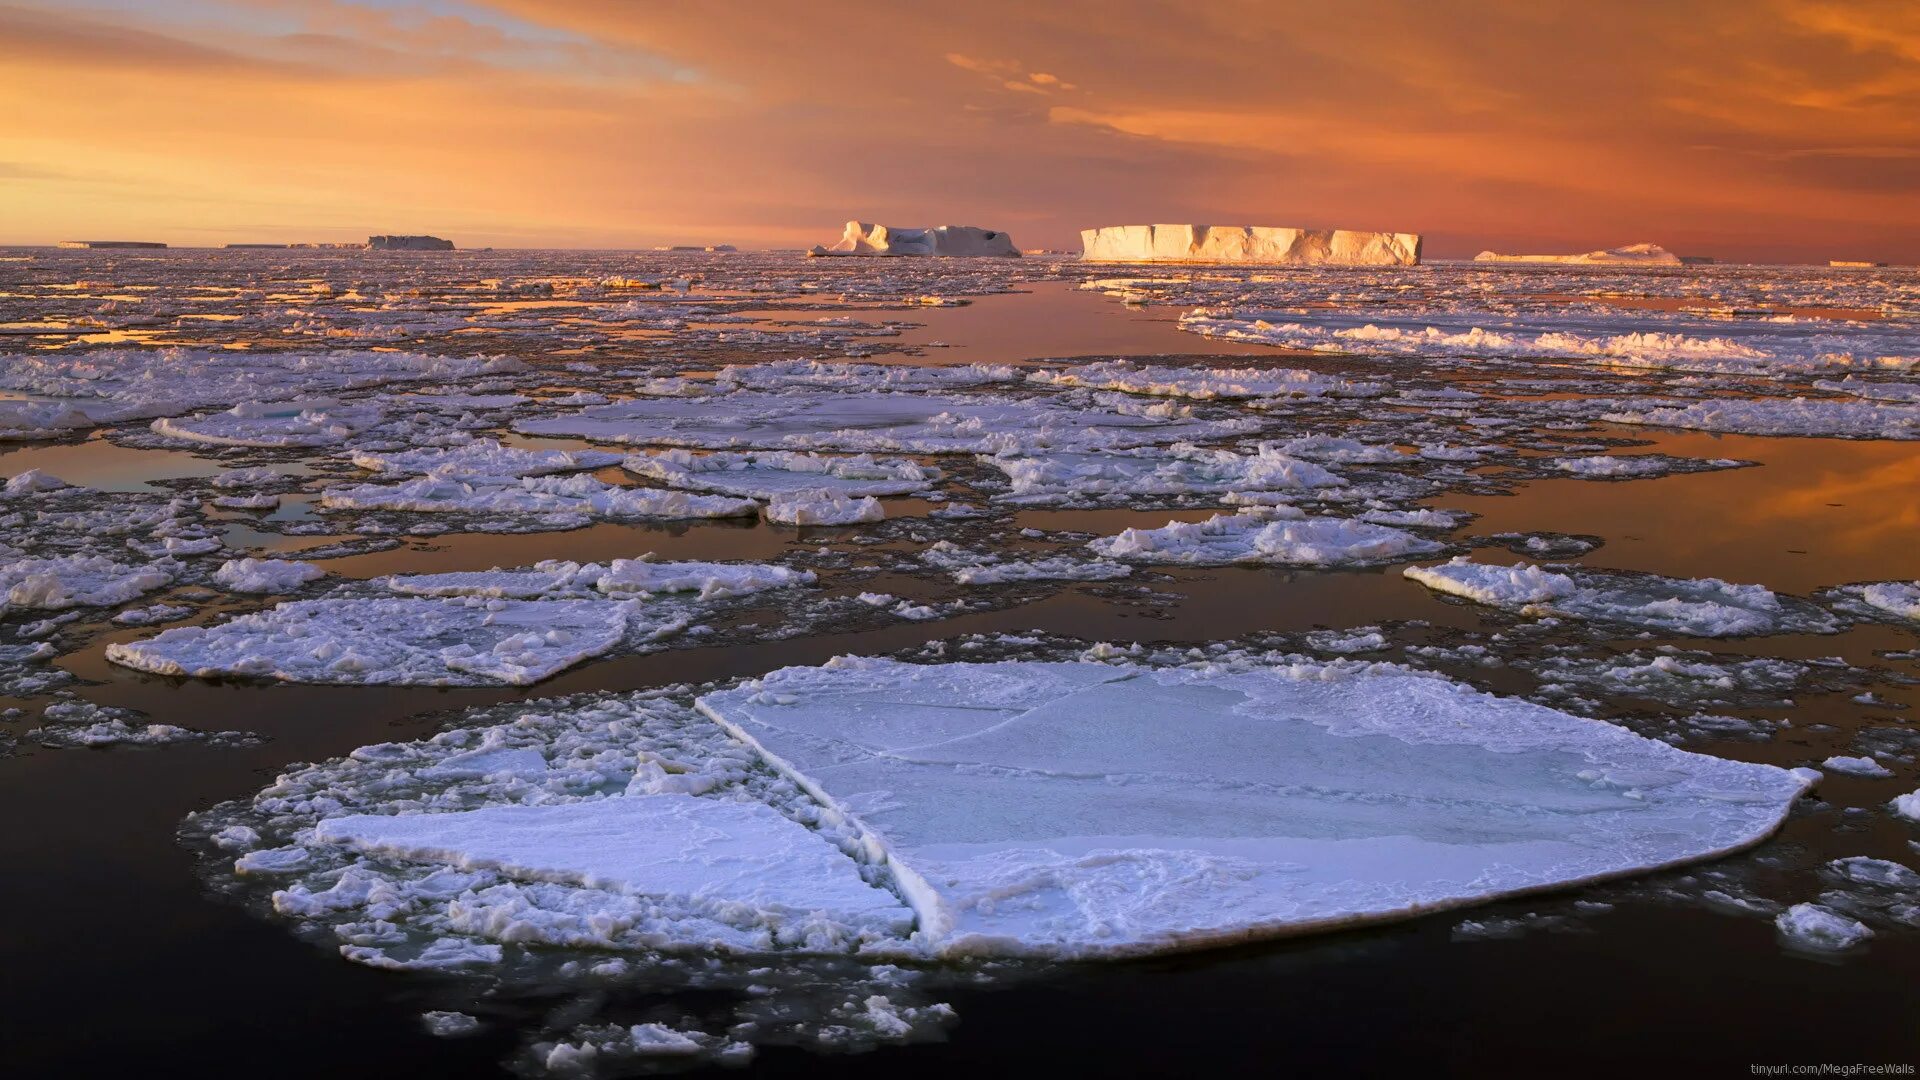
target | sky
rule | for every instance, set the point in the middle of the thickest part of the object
(1765, 130)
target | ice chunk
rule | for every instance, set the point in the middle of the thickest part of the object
(1086, 810)
(1500, 586)
(1907, 806)
(740, 863)
(1695, 607)
(266, 575)
(1256, 538)
(771, 474)
(1810, 926)
(405, 642)
(861, 238)
(32, 482)
(1265, 244)
(1856, 766)
(823, 506)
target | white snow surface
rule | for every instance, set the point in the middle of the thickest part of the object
(397, 642)
(740, 863)
(770, 474)
(1225, 539)
(1091, 810)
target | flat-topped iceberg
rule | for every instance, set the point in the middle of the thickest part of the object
(861, 238)
(1630, 255)
(1227, 539)
(1083, 810)
(1261, 244)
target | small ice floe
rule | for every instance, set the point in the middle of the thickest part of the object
(1052, 568)
(564, 495)
(1638, 466)
(771, 474)
(1819, 929)
(266, 575)
(148, 616)
(67, 581)
(483, 458)
(1295, 540)
(1815, 417)
(1083, 810)
(823, 506)
(1907, 806)
(449, 1025)
(621, 577)
(1339, 451)
(1884, 600)
(1693, 607)
(1206, 384)
(72, 724)
(320, 422)
(403, 642)
(1856, 766)
(1182, 469)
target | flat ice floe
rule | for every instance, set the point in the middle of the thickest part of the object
(1182, 469)
(930, 423)
(737, 863)
(815, 374)
(1225, 539)
(273, 424)
(403, 642)
(1087, 810)
(1693, 607)
(621, 577)
(483, 458)
(768, 474)
(67, 581)
(1637, 466)
(1781, 416)
(572, 495)
(1206, 384)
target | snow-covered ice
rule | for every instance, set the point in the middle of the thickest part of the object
(1206, 384)
(400, 642)
(53, 584)
(266, 575)
(1226, 539)
(1181, 469)
(1820, 929)
(483, 458)
(578, 495)
(823, 506)
(1090, 810)
(770, 474)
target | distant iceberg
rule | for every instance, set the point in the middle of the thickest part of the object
(1263, 244)
(1630, 255)
(861, 238)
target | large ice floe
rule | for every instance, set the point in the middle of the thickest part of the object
(621, 577)
(399, 642)
(930, 423)
(483, 458)
(1207, 384)
(769, 474)
(1279, 539)
(1261, 244)
(861, 238)
(1692, 607)
(1182, 469)
(1091, 810)
(579, 496)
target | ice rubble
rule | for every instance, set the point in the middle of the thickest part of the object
(577, 495)
(1092, 810)
(621, 577)
(266, 575)
(483, 458)
(955, 240)
(1629, 255)
(1813, 417)
(1226, 539)
(1263, 244)
(76, 724)
(823, 506)
(930, 423)
(714, 858)
(1181, 469)
(66, 581)
(404, 642)
(769, 474)
(1694, 607)
(1206, 384)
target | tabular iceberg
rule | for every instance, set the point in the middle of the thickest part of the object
(1248, 244)
(1630, 255)
(864, 239)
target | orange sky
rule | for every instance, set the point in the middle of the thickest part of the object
(1762, 129)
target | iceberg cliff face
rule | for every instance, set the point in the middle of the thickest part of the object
(864, 239)
(1631, 255)
(1248, 244)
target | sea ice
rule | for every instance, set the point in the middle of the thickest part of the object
(1821, 929)
(578, 495)
(1206, 384)
(1182, 469)
(1258, 538)
(483, 458)
(817, 374)
(1089, 810)
(1856, 766)
(1782, 416)
(770, 474)
(739, 863)
(403, 642)
(66, 581)
(621, 577)
(1900, 599)
(823, 506)
(266, 575)
(273, 424)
